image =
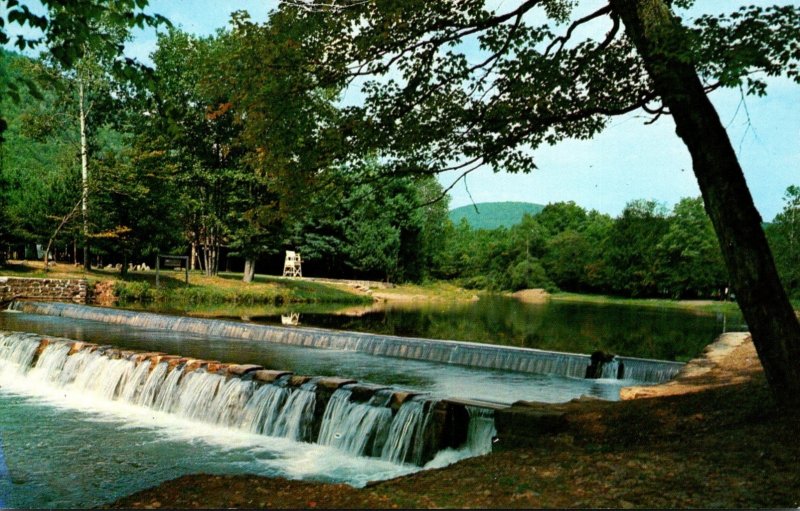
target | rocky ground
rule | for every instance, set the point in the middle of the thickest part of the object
(712, 439)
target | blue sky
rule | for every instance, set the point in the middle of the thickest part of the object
(629, 160)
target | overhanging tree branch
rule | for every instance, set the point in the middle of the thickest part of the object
(562, 40)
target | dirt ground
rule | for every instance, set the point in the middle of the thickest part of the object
(532, 296)
(714, 438)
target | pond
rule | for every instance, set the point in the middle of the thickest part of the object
(634, 331)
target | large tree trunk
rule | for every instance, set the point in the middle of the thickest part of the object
(249, 270)
(766, 308)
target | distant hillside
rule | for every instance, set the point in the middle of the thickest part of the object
(491, 215)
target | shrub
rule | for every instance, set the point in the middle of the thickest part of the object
(134, 291)
(529, 274)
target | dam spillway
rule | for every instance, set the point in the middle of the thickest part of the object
(360, 419)
(525, 360)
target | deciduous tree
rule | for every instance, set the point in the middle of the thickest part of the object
(784, 237)
(533, 82)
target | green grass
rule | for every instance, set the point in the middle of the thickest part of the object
(225, 288)
(229, 290)
(703, 305)
(23, 270)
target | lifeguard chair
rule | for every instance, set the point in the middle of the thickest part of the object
(291, 265)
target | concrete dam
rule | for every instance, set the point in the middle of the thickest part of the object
(506, 358)
(360, 419)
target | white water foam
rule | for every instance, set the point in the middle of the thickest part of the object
(94, 397)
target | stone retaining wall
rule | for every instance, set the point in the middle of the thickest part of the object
(62, 290)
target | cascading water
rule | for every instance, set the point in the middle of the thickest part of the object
(132, 383)
(481, 430)
(264, 408)
(16, 350)
(275, 409)
(610, 369)
(406, 433)
(51, 362)
(357, 428)
(152, 384)
(102, 376)
(294, 419)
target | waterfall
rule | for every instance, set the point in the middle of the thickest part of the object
(264, 408)
(640, 370)
(102, 376)
(294, 421)
(228, 405)
(16, 351)
(133, 385)
(168, 390)
(407, 432)
(51, 361)
(481, 430)
(610, 369)
(194, 395)
(280, 409)
(74, 365)
(357, 428)
(152, 385)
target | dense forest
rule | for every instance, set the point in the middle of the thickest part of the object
(229, 151)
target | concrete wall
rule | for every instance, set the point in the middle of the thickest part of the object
(62, 290)
(507, 358)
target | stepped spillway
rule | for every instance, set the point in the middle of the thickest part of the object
(360, 419)
(450, 352)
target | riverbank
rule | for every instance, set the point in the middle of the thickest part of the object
(697, 305)
(268, 290)
(111, 288)
(721, 444)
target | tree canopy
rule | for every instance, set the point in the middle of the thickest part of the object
(446, 86)
(540, 78)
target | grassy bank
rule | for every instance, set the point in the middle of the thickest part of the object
(228, 288)
(700, 305)
(224, 288)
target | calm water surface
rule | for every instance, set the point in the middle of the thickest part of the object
(634, 331)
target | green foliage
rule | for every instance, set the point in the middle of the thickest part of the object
(390, 229)
(70, 31)
(38, 155)
(568, 258)
(644, 252)
(236, 143)
(529, 274)
(134, 291)
(431, 104)
(631, 249)
(689, 253)
(561, 216)
(491, 215)
(783, 235)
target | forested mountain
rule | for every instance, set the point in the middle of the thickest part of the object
(491, 215)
